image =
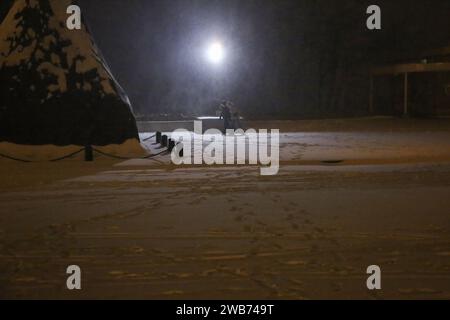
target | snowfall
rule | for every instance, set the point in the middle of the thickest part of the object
(346, 197)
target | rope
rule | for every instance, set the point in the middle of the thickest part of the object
(15, 159)
(146, 139)
(156, 154)
(51, 160)
(126, 158)
(94, 149)
(67, 156)
(110, 155)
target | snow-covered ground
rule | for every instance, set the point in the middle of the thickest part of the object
(148, 229)
(346, 147)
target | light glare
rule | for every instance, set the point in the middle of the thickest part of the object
(215, 53)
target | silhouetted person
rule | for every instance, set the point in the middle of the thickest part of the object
(226, 116)
(236, 121)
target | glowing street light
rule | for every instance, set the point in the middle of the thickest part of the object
(215, 53)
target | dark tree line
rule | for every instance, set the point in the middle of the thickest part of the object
(285, 59)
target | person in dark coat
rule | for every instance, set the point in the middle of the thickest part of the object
(226, 116)
(237, 121)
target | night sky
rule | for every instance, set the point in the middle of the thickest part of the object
(284, 58)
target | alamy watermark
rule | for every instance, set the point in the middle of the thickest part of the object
(74, 280)
(74, 20)
(373, 21)
(374, 280)
(236, 147)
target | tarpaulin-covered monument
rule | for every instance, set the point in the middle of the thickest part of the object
(56, 88)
